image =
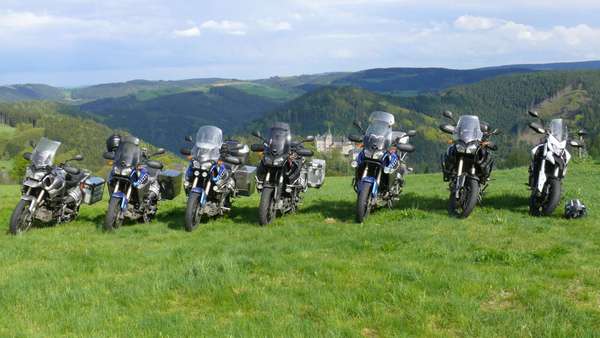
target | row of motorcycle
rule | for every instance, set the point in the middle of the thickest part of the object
(218, 173)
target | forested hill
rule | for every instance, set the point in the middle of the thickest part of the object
(165, 120)
(25, 122)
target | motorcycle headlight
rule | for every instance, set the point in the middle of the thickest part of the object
(195, 164)
(204, 174)
(461, 148)
(354, 164)
(126, 172)
(387, 170)
(557, 149)
(196, 173)
(378, 154)
(206, 166)
(278, 161)
(472, 148)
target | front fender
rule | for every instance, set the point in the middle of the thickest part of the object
(373, 181)
(202, 194)
(121, 195)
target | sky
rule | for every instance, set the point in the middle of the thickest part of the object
(75, 42)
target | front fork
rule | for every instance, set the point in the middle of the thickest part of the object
(461, 177)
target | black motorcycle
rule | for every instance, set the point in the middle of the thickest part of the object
(468, 163)
(133, 182)
(211, 178)
(379, 165)
(280, 177)
(50, 193)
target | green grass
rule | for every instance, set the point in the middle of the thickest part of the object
(410, 271)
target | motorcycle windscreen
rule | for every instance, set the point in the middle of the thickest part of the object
(468, 129)
(279, 140)
(128, 155)
(44, 153)
(381, 116)
(209, 140)
(558, 129)
(377, 134)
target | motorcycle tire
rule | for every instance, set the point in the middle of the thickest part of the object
(363, 202)
(192, 215)
(463, 206)
(18, 224)
(266, 209)
(113, 218)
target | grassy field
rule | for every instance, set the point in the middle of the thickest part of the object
(410, 271)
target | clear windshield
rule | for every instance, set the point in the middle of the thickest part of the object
(128, 154)
(468, 129)
(378, 135)
(279, 140)
(44, 152)
(558, 129)
(208, 144)
(381, 116)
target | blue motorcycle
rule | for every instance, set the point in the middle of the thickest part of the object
(379, 165)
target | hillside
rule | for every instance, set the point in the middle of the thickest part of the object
(166, 119)
(23, 122)
(410, 271)
(28, 92)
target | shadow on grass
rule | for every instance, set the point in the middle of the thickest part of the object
(426, 203)
(174, 217)
(96, 219)
(511, 202)
(342, 210)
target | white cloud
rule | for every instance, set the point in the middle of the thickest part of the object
(472, 23)
(226, 26)
(187, 33)
(274, 25)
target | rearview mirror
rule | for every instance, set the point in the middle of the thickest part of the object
(77, 158)
(582, 133)
(155, 165)
(405, 148)
(534, 114)
(357, 124)
(447, 128)
(232, 160)
(27, 156)
(160, 151)
(257, 148)
(575, 144)
(355, 138)
(448, 114)
(109, 155)
(309, 138)
(185, 151)
(411, 133)
(304, 152)
(537, 128)
(257, 134)
(188, 138)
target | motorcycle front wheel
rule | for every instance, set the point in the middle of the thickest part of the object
(463, 205)
(192, 212)
(546, 204)
(363, 201)
(21, 219)
(266, 209)
(114, 217)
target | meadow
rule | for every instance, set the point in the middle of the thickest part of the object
(409, 271)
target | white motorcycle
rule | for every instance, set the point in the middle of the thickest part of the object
(549, 164)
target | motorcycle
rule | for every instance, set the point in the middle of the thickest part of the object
(468, 163)
(211, 178)
(50, 192)
(380, 164)
(549, 161)
(281, 177)
(132, 181)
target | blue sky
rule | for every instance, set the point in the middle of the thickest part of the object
(76, 42)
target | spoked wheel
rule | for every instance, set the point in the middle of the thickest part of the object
(463, 205)
(546, 204)
(193, 214)
(266, 209)
(114, 215)
(363, 202)
(21, 219)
